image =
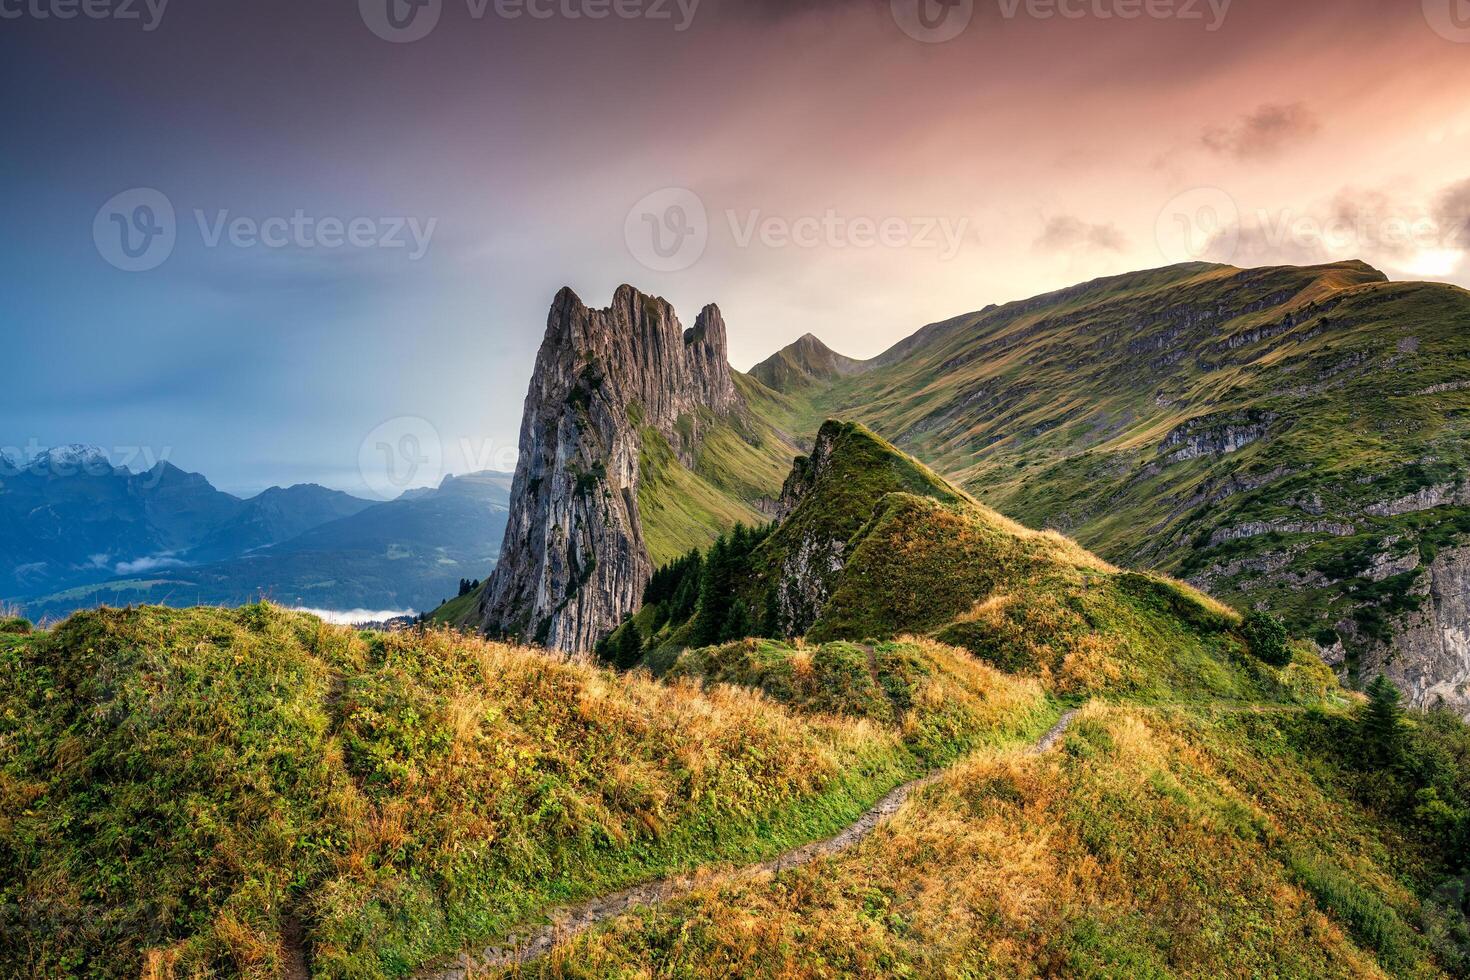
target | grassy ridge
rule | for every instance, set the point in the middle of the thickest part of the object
(1153, 843)
(186, 792)
(1352, 390)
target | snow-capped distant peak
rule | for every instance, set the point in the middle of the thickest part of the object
(71, 460)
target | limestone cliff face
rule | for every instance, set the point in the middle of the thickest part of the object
(1429, 659)
(815, 560)
(574, 559)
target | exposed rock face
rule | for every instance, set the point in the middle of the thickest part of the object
(1430, 658)
(1427, 498)
(574, 559)
(809, 569)
(1216, 435)
(1256, 529)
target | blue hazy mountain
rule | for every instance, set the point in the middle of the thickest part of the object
(407, 554)
(69, 516)
(77, 531)
(275, 516)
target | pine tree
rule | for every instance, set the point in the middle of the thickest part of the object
(686, 596)
(771, 619)
(629, 647)
(1382, 725)
(714, 595)
(737, 624)
(1268, 638)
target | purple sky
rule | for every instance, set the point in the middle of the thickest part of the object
(835, 174)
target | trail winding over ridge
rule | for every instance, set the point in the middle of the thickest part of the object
(572, 920)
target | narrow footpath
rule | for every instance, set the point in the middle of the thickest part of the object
(570, 921)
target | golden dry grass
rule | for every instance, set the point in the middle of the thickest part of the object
(1150, 844)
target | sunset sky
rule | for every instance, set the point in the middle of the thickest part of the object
(855, 181)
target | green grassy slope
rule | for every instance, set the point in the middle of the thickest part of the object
(209, 792)
(1255, 430)
(1154, 843)
(239, 793)
(739, 464)
(804, 363)
(1208, 814)
(882, 547)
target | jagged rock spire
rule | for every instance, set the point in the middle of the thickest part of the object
(574, 559)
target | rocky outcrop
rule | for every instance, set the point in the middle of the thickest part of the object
(809, 568)
(1426, 498)
(574, 559)
(1429, 658)
(1216, 435)
(1256, 529)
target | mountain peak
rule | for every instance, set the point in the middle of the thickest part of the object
(71, 460)
(802, 363)
(609, 386)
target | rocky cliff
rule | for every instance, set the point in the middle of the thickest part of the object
(575, 557)
(1429, 655)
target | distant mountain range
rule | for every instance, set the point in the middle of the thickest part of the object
(78, 531)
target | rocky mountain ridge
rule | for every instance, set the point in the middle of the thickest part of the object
(611, 389)
(1286, 438)
(1289, 439)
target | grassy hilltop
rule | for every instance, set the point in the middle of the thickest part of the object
(254, 793)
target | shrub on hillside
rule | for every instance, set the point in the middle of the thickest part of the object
(1267, 638)
(15, 624)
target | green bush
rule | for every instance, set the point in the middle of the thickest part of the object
(1267, 638)
(15, 624)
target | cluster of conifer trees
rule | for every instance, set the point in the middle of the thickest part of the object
(706, 590)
